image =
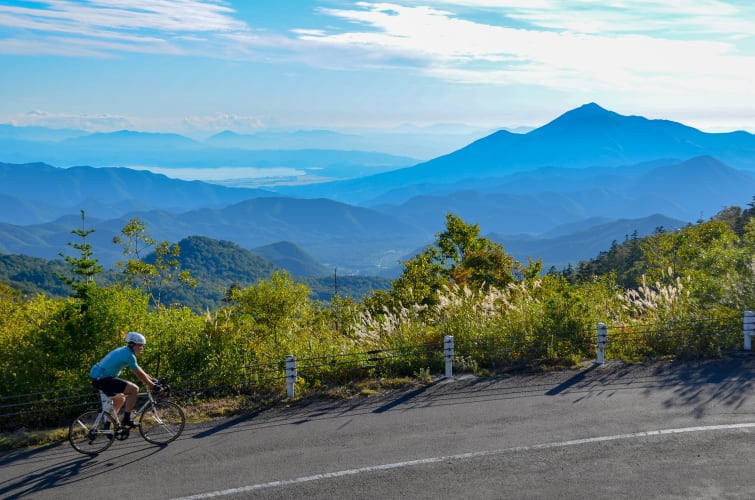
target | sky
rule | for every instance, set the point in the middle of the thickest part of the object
(198, 67)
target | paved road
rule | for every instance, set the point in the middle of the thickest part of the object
(663, 430)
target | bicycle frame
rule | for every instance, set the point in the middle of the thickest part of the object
(107, 407)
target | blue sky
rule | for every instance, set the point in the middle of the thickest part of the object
(199, 67)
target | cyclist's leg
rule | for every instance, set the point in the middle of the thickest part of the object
(131, 392)
(118, 401)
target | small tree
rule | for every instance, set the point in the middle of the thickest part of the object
(85, 267)
(152, 277)
(460, 255)
(703, 252)
(273, 306)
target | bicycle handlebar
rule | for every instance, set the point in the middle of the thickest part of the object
(163, 393)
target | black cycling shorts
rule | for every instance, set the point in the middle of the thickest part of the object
(110, 385)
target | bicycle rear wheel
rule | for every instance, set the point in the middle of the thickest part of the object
(162, 422)
(88, 438)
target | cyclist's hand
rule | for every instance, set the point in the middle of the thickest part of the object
(157, 388)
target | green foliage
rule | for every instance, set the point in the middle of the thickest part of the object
(624, 261)
(20, 318)
(272, 308)
(703, 254)
(178, 342)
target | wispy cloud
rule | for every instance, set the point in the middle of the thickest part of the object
(224, 121)
(104, 27)
(76, 121)
(671, 19)
(550, 42)
(195, 124)
(586, 44)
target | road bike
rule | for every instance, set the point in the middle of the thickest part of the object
(159, 421)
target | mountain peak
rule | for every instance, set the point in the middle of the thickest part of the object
(225, 134)
(590, 108)
(587, 114)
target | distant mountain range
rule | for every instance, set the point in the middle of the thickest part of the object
(588, 136)
(562, 192)
(173, 154)
(289, 256)
(403, 141)
(34, 193)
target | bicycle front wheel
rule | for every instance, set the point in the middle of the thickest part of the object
(89, 436)
(162, 422)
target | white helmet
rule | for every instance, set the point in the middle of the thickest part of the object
(135, 338)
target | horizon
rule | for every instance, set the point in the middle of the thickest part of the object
(340, 65)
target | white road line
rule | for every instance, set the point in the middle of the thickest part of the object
(462, 456)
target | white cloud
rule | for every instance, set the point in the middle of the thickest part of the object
(224, 121)
(668, 18)
(194, 125)
(591, 47)
(134, 15)
(599, 43)
(105, 27)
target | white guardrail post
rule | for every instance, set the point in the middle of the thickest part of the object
(448, 354)
(749, 329)
(291, 375)
(602, 343)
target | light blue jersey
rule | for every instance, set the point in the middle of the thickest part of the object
(112, 364)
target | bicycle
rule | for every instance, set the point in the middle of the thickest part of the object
(159, 422)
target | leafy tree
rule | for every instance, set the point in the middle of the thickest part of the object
(273, 306)
(703, 252)
(623, 260)
(739, 280)
(461, 256)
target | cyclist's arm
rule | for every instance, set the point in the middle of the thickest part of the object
(142, 375)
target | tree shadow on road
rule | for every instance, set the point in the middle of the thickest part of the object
(727, 382)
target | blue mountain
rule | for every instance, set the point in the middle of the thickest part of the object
(588, 136)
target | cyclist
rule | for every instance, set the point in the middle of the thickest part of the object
(104, 375)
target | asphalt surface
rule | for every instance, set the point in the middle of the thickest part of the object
(661, 430)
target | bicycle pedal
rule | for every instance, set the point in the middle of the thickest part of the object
(122, 433)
